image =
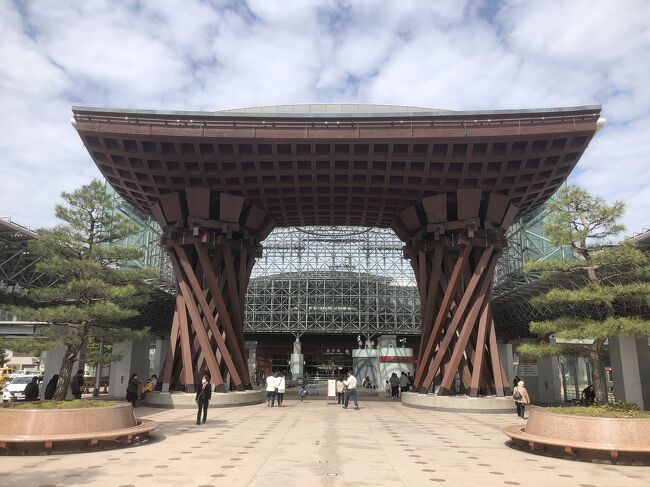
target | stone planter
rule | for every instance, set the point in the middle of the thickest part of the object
(186, 400)
(585, 437)
(31, 430)
(464, 404)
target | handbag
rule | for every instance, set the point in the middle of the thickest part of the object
(517, 395)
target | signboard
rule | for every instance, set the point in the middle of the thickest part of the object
(331, 388)
(396, 359)
(527, 368)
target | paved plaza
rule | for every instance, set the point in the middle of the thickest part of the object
(315, 444)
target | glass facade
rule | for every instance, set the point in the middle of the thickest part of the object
(332, 280)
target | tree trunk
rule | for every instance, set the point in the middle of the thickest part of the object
(67, 365)
(598, 371)
(596, 351)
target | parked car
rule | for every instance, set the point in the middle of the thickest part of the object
(6, 374)
(15, 390)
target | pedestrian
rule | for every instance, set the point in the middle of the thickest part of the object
(77, 383)
(339, 390)
(515, 382)
(31, 390)
(404, 383)
(51, 386)
(521, 397)
(350, 390)
(281, 388)
(203, 396)
(388, 389)
(303, 392)
(154, 382)
(132, 389)
(271, 389)
(394, 385)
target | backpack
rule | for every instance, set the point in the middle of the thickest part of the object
(517, 395)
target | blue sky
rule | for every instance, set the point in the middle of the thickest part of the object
(192, 55)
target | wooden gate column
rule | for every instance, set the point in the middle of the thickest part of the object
(212, 240)
(454, 241)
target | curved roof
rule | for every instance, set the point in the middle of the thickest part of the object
(334, 108)
(357, 167)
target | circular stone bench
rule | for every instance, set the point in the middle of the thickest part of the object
(186, 400)
(464, 404)
(29, 430)
(584, 437)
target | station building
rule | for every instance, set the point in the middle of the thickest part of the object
(344, 225)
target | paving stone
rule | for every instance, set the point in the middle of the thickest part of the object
(313, 444)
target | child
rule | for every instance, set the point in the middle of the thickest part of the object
(303, 392)
(387, 389)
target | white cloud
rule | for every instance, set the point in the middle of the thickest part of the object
(197, 55)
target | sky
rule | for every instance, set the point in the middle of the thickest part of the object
(194, 55)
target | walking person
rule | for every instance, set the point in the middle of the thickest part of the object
(303, 392)
(394, 385)
(339, 390)
(404, 383)
(51, 387)
(77, 383)
(388, 389)
(132, 390)
(350, 390)
(270, 390)
(203, 397)
(521, 397)
(281, 388)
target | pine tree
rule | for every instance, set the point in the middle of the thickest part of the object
(93, 286)
(607, 288)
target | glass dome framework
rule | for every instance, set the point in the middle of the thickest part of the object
(331, 280)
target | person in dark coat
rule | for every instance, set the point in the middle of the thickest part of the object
(132, 389)
(51, 386)
(76, 383)
(31, 390)
(394, 385)
(203, 396)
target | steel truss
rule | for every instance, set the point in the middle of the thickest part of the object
(147, 238)
(333, 280)
(527, 242)
(17, 264)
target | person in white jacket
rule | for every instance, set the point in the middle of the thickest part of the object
(281, 385)
(271, 389)
(350, 390)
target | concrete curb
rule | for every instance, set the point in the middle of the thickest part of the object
(459, 404)
(185, 400)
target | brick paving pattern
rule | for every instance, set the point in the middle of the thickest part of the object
(315, 444)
